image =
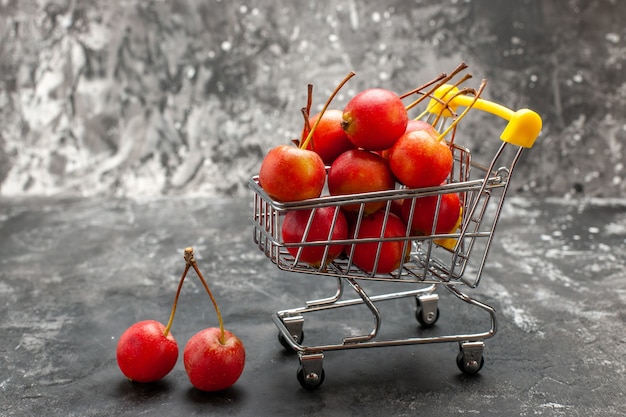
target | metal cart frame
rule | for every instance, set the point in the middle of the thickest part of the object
(451, 260)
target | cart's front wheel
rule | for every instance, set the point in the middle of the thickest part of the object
(469, 365)
(285, 343)
(312, 380)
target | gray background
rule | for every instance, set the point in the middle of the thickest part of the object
(179, 100)
(185, 97)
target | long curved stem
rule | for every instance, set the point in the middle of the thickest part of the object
(180, 286)
(305, 142)
(441, 80)
(191, 260)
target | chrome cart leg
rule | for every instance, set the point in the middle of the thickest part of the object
(470, 359)
(311, 372)
(374, 310)
(427, 311)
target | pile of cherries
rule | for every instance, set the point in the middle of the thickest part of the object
(371, 145)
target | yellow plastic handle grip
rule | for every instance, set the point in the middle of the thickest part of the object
(522, 130)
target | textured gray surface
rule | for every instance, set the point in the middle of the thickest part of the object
(74, 273)
(184, 97)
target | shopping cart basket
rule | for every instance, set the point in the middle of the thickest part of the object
(452, 260)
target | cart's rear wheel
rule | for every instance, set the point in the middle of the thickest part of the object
(312, 380)
(285, 343)
(427, 311)
(467, 365)
(426, 319)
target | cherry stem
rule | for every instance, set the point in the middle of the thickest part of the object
(307, 122)
(423, 86)
(305, 142)
(457, 119)
(191, 261)
(441, 80)
(180, 286)
(309, 98)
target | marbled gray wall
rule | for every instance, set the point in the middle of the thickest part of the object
(147, 97)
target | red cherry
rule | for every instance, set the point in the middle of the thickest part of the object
(214, 358)
(328, 140)
(424, 213)
(418, 159)
(414, 125)
(360, 171)
(289, 173)
(391, 252)
(294, 226)
(374, 119)
(145, 353)
(213, 361)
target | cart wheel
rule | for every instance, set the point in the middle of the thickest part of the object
(312, 380)
(284, 342)
(427, 312)
(467, 365)
(430, 319)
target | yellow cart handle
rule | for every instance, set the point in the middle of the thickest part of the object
(524, 125)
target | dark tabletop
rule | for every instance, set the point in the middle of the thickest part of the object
(75, 273)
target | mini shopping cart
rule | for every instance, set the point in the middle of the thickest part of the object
(452, 260)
